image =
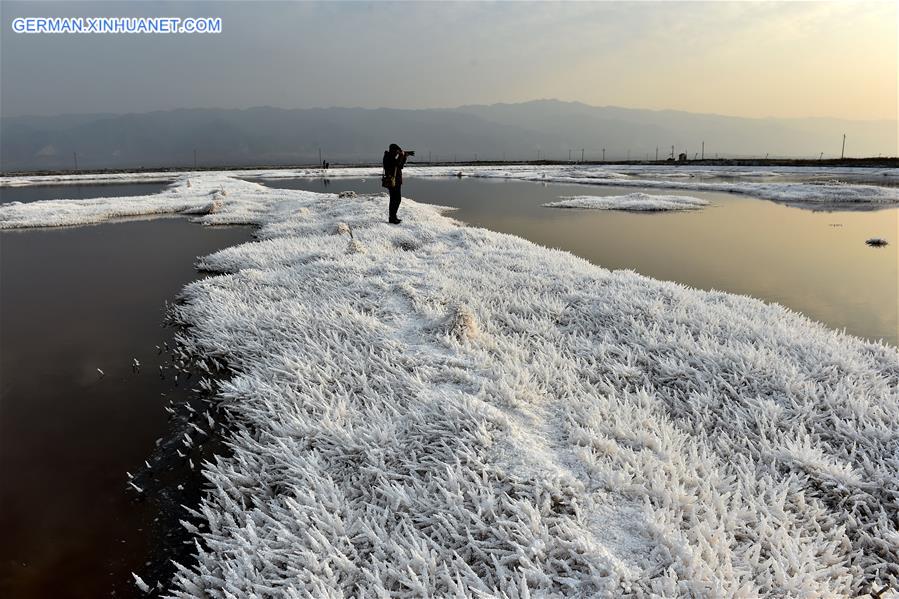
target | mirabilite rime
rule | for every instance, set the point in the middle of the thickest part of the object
(445, 410)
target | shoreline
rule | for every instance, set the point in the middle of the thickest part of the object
(174, 483)
(870, 162)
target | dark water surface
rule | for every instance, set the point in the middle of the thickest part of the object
(73, 300)
(814, 262)
(77, 192)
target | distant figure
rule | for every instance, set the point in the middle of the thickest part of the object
(394, 160)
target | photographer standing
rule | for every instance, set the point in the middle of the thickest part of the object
(394, 160)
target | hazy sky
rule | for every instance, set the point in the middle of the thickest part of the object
(789, 59)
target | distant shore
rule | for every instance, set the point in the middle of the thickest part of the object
(799, 162)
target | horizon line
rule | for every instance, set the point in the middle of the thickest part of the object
(459, 107)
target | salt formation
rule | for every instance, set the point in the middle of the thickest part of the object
(462, 324)
(354, 247)
(210, 208)
(815, 188)
(634, 202)
(458, 412)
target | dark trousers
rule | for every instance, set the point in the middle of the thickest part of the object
(394, 201)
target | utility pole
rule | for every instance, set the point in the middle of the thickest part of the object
(703, 150)
(582, 155)
(672, 152)
(821, 156)
(603, 154)
(75, 156)
(843, 151)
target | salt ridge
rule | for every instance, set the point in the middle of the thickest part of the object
(633, 202)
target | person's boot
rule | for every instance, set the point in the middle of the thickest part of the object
(394, 220)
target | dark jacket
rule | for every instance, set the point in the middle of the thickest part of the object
(393, 165)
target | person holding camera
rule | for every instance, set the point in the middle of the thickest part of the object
(394, 160)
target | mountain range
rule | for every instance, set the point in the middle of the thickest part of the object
(544, 129)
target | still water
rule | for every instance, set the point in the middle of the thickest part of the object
(814, 262)
(74, 300)
(77, 192)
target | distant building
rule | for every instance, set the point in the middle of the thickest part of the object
(682, 157)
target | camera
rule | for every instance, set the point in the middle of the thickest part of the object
(410, 152)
